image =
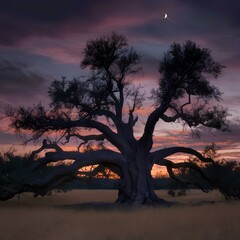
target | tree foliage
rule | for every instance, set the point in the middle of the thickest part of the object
(185, 71)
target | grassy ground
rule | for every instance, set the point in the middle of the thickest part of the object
(48, 218)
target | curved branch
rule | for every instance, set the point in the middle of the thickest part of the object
(157, 113)
(93, 172)
(163, 153)
(97, 137)
(170, 166)
(187, 103)
(107, 114)
(81, 160)
(159, 158)
(45, 146)
(111, 136)
(63, 173)
(166, 118)
(176, 178)
(178, 114)
(40, 121)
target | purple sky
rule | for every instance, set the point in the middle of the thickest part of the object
(42, 40)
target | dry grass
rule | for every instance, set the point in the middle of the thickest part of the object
(43, 218)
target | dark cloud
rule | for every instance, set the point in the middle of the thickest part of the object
(228, 47)
(212, 24)
(18, 83)
(50, 11)
(195, 20)
(24, 19)
(228, 11)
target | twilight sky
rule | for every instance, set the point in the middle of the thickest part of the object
(42, 40)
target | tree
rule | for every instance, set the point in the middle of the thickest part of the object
(224, 175)
(106, 104)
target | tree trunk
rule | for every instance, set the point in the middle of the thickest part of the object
(137, 185)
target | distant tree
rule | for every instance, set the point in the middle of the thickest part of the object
(106, 103)
(224, 175)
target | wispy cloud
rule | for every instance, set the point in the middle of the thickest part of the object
(17, 82)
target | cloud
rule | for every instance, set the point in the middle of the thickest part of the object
(211, 24)
(18, 83)
(21, 20)
(228, 142)
(61, 19)
(25, 19)
(60, 54)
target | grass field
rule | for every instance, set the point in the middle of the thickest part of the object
(60, 217)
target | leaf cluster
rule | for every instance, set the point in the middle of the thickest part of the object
(186, 68)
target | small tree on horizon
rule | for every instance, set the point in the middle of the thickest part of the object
(224, 175)
(106, 104)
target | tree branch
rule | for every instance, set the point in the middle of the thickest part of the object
(45, 146)
(101, 168)
(155, 115)
(163, 153)
(170, 166)
(187, 103)
(81, 160)
(65, 172)
(166, 118)
(86, 138)
(112, 137)
(39, 122)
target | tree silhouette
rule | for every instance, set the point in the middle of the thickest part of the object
(106, 102)
(224, 175)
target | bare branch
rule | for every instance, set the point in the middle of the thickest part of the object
(86, 138)
(64, 172)
(45, 146)
(163, 153)
(166, 118)
(81, 160)
(39, 122)
(156, 114)
(187, 103)
(101, 169)
(170, 166)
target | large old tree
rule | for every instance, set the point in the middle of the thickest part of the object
(103, 107)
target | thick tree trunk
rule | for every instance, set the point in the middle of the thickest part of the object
(137, 186)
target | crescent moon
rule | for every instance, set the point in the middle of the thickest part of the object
(165, 15)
